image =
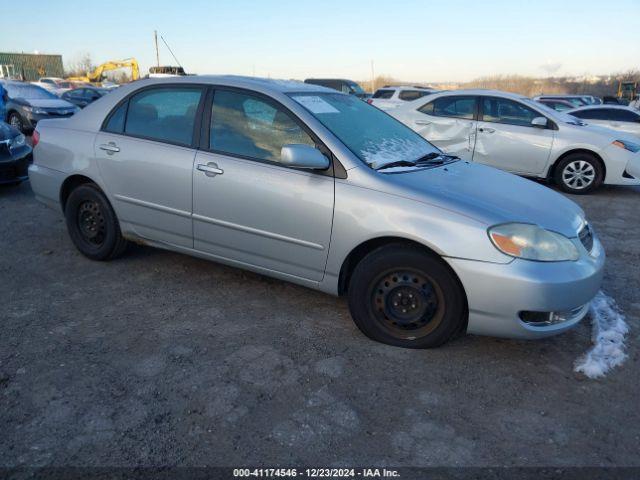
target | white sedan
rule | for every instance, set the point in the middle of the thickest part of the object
(514, 133)
(616, 117)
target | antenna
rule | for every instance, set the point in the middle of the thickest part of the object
(170, 51)
(155, 37)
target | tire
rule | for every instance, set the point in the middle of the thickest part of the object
(92, 224)
(16, 121)
(402, 296)
(579, 173)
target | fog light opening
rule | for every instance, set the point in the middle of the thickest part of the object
(545, 319)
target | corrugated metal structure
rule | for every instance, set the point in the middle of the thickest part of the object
(31, 66)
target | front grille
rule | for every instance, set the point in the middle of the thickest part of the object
(586, 237)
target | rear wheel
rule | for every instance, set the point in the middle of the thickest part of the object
(92, 224)
(579, 173)
(405, 297)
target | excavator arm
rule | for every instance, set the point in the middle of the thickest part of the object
(96, 75)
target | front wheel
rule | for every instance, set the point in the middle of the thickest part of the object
(92, 224)
(402, 296)
(579, 173)
(15, 120)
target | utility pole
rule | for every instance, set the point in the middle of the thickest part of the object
(155, 37)
(373, 79)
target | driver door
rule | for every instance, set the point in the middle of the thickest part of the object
(247, 206)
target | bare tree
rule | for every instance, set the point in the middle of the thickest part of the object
(80, 66)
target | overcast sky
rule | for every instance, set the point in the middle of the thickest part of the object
(415, 40)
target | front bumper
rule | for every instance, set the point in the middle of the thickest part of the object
(14, 165)
(498, 293)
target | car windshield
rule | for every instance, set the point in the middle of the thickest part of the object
(26, 91)
(63, 84)
(373, 136)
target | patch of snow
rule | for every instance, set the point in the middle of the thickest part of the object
(387, 150)
(609, 330)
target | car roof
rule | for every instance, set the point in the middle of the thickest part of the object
(602, 107)
(405, 87)
(479, 91)
(254, 83)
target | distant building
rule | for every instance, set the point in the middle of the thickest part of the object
(30, 66)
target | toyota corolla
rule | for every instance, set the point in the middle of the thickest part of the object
(316, 187)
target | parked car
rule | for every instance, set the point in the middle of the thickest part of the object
(390, 97)
(517, 134)
(15, 155)
(575, 100)
(615, 117)
(316, 187)
(610, 100)
(54, 85)
(557, 105)
(81, 97)
(345, 86)
(28, 104)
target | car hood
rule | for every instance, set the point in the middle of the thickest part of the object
(490, 196)
(49, 103)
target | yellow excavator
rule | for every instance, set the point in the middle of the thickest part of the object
(96, 75)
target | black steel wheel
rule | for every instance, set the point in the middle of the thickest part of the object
(92, 223)
(407, 303)
(403, 295)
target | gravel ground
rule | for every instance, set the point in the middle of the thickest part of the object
(162, 359)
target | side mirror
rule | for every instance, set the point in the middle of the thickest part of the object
(539, 122)
(303, 156)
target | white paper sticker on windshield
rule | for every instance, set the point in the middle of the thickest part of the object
(315, 104)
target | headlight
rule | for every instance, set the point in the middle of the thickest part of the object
(632, 147)
(36, 110)
(17, 141)
(531, 242)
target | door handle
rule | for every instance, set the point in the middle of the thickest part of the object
(422, 122)
(210, 169)
(110, 148)
(487, 130)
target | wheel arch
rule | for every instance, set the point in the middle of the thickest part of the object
(70, 183)
(363, 249)
(554, 165)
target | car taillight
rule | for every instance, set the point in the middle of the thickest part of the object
(369, 101)
(35, 138)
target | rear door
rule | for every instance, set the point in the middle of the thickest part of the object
(507, 140)
(449, 122)
(145, 154)
(247, 206)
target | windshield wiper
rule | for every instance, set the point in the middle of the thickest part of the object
(398, 163)
(432, 158)
(429, 157)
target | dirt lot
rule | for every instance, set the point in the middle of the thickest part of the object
(163, 359)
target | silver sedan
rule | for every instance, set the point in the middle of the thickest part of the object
(316, 187)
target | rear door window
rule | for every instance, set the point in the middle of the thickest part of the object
(452, 106)
(166, 114)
